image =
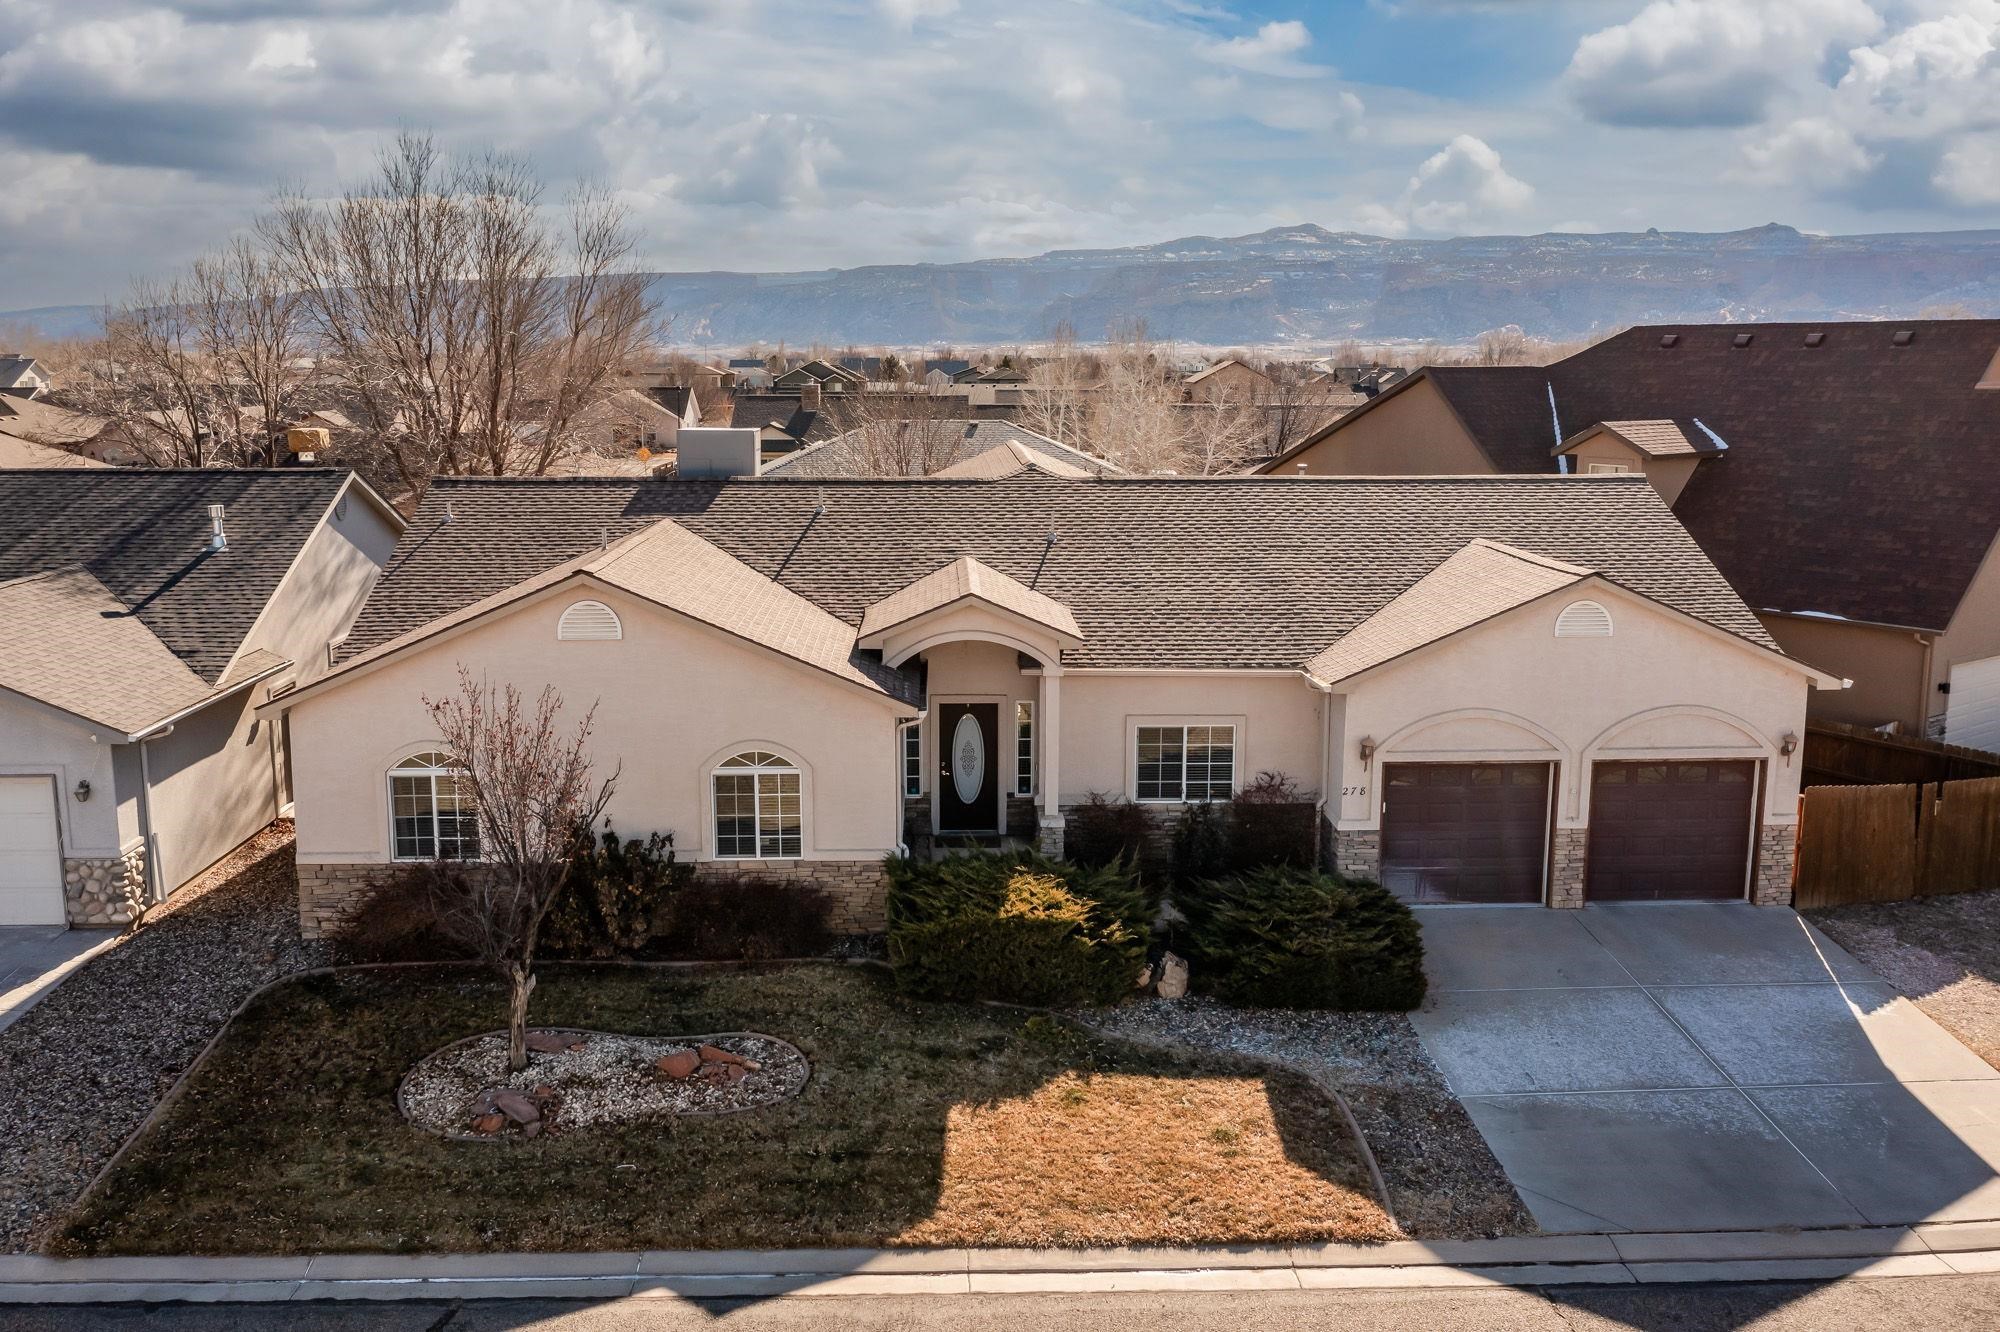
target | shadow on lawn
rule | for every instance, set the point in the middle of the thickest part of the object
(288, 1140)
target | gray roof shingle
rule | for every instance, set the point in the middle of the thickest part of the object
(144, 535)
(1160, 572)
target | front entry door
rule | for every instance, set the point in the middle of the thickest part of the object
(968, 768)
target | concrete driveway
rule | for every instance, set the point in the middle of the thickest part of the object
(1702, 1067)
(35, 958)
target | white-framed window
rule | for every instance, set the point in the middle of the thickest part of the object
(913, 760)
(757, 808)
(589, 621)
(1605, 469)
(1185, 763)
(431, 812)
(1024, 748)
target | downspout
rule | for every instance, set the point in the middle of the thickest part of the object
(1325, 691)
(154, 895)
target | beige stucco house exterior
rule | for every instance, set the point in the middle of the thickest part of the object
(1827, 469)
(146, 614)
(1497, 689)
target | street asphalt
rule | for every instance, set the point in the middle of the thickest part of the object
(1937, 1304)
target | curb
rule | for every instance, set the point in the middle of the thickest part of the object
(1933, 1250)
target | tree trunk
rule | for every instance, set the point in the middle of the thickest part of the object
(521, 984)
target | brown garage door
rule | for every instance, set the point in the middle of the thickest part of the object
(1465, 832)
(1669, 831)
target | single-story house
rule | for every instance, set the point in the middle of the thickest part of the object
(824, 374)
(1518, 689)
(1832, 471)
(22, 376)
(145, 614)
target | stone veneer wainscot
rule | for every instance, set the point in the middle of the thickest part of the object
(859, 889)
(109, 890)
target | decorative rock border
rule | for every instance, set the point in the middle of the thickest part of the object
(775, 1071)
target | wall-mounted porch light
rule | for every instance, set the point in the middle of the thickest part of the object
(1788, 745)
(1367, 748)
(83, 790)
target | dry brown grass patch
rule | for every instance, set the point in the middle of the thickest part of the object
(1128, 1159)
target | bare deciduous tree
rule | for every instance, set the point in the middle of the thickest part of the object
(531, 788)
(901, 434)
(467, 332)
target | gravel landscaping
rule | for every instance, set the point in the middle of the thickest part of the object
(1943, 952)
(80, 1071)
(602, 1078)
(1442, 1178)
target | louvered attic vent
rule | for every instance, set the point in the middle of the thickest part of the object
(589, 621)
(1584, 619)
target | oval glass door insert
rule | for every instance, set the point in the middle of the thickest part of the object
(968, 759)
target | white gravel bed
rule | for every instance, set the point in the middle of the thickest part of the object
(610, 1080)
(1443, 1179)
(80, 1070)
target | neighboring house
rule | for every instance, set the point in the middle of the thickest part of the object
(1373, 382)
(748, 372)
(982, 449)
(825, 375)
(868, 367)
(1835, 473)
(629, 419)
(1499, 688)
(782, 420)
(23, 376)
(58, 427)
(942, 371)
(1229, 381)
(146, 613)
(25, 455)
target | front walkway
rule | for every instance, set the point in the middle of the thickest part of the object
(35, 958)
(1703, 1067)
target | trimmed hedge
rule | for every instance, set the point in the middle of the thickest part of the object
(1287, 938)
(1018, 929)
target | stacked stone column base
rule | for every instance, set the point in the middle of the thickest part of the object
(107, 890)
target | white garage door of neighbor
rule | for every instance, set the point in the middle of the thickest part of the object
(1972, 709)
(31, 884)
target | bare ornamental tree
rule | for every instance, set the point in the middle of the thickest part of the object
(531, 788)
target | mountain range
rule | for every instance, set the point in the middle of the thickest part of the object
(1306, 285)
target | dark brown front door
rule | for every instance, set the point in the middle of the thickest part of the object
(968, 767)
(1669, 831)
(1465, 832)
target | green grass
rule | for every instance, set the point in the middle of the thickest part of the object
(288, 1140)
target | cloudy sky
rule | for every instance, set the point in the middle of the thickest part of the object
(791, 134)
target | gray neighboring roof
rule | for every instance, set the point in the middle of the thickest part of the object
(91, 657)
(14, 369)
(1007, 459)
(1245, 572)
(144, 535)
(839, 456)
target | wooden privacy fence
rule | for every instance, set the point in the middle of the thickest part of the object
(1889, 843)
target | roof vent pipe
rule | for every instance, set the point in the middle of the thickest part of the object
(216, 540)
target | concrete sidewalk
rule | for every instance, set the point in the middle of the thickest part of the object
(34, 959)
(1623, 1259)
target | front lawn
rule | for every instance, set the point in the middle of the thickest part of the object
(922, 1124)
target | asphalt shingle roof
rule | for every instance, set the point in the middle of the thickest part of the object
(841, 455)
(1159, 572)
(1857, 477)
(144, 535)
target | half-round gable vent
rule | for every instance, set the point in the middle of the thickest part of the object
(1583, 619)
(590, 620)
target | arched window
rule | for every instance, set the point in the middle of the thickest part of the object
(1583, 619)
(757, 807)
(589, 621)
(431, 812)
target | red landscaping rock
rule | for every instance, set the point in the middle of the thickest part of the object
(549, 1042)
(679, 1064)
(715, 1054)
(517, 1107)
(488, 1124)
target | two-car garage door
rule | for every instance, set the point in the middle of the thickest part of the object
(31, 886)
(1478, 832)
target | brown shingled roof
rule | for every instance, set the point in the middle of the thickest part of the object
(1159, 572)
